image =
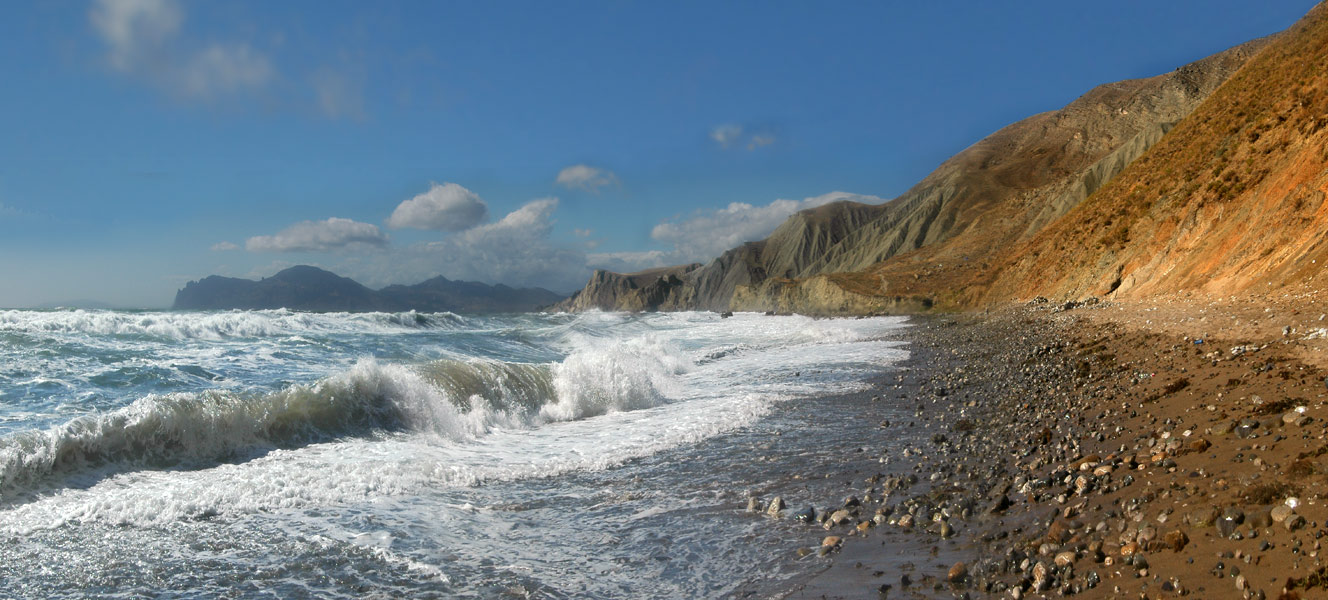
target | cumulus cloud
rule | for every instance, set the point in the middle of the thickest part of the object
(446, 207)
(319, 236)
(224, 247)
(143, 39)
(516, 250)
(585, 177)
(707, 234)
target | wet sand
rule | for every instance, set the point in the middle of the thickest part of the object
(1105, 451)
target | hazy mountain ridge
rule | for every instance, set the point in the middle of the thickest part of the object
(313, 289)
(943, 241)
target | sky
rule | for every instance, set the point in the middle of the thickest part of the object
(147, 143)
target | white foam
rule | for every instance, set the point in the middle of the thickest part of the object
(627, 387)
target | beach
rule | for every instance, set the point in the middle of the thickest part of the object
(1102, 450)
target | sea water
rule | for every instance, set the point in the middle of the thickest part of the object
(287, 454)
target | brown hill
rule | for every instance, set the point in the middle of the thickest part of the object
(992, 195)
(1232, 200)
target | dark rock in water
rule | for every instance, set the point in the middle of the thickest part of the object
(726, 314)
(806, 515)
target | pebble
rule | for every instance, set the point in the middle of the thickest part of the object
(957, 573)
(776, 505)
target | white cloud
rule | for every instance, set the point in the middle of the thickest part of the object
(318, 236)
(337, 94)
(223, 69)
(737, 136)
(135, 29)
(760, 140)
(629, 262)
(143, 39)
(224, 246)
(725, 135)
(446, 207)
(585, 177)
(515, 250)
(707, 234)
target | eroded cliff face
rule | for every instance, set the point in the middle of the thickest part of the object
(1232, 200)
(944, 235)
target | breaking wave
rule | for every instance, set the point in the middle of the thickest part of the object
(452, 400)
(218, 325)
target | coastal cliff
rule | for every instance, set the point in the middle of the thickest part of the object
(957, 222)
(1230, 201)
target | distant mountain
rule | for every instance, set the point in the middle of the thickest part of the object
(313, 289)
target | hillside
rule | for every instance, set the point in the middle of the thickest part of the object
(993, 195)
(1232, 200)
(313, 289)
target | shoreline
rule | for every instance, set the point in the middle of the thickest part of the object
(1095, 452)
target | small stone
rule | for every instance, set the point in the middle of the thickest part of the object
(957, 573)
(1130, 549)
(1229, 520)
(946, 530)
(832, 541)
(999, 505)
(776, 505)
(753, 504)
(1203, 517)
(840, 517)
(1280, 513)
(1176, 540)
(906, 521)
(1294, 522)
(1064, 559)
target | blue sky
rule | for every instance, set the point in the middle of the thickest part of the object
(150, 142)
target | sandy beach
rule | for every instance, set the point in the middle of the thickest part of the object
(1105, 450)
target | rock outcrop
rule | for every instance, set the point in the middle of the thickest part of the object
(655, 289)
(313, 289)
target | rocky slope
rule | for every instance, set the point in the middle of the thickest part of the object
(995, 194)
(1231, 201)
(313, 289)
(655, 289)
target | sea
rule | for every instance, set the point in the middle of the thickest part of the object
(280, 454)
